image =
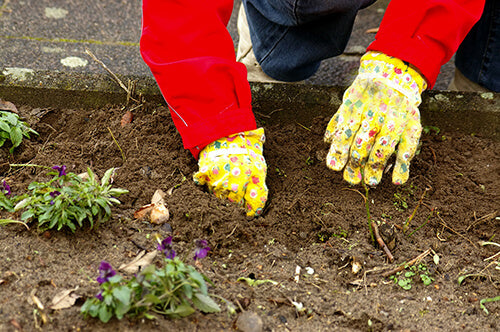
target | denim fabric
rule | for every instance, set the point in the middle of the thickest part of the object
(478, 57)
(291, 37)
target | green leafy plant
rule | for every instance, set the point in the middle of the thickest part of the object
(405, 278)
(67, 200)
(174, 290)
(5, 200)
(13, 129)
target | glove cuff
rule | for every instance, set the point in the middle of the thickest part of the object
(394, 72)
(247, 142)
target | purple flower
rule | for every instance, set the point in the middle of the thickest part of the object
(99, 296)
(60, 169)
(201, 250)
(55, 193)
(106, 272)
(5, 188)
(166, 247)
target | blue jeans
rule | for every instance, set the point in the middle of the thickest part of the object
(291, 37)
(478, 57)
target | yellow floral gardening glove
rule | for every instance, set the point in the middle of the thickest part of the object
(233, 167)
(379, 112)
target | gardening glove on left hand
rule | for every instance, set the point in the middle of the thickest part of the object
(233, 167)
(378, 112)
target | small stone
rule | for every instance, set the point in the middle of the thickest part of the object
(249, 321)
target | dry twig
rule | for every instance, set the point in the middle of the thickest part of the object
(115, 78)
(410, 263)
(381, 242)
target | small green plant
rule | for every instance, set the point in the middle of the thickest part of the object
(429, 129)
(405, 278)
(400, 202)
(67, 200)
(5, 201)
(13, 129)
(174, 290)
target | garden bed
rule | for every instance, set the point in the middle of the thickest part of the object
(314, 220)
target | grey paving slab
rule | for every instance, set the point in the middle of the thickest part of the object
(53, 35)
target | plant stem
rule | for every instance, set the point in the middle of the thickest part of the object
(410, 218)
(10, 221)
(118, 145)
(425, 223)
(367, 206)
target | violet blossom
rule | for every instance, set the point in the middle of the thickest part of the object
(5, 188)
(60, 169)
(166, 247)
(201, 250)
(54, 194)
(106, 272)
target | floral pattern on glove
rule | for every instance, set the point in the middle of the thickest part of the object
(379, 112)
(233, 167)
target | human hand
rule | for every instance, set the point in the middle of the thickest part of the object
(233, 167)
(378, 112)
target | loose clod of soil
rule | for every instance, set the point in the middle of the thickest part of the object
(311, 239)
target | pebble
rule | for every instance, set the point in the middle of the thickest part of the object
(249, 321)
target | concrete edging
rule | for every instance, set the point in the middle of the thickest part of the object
(467, 112)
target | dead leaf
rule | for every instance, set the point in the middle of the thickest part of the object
(137, 263)
(141, 213)
(64, 299)
(8, 106)
(158, 197)
(127, 118)
(159, 214)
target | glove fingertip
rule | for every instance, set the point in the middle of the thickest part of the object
(255, 200)
(353, 176)
(401, 173)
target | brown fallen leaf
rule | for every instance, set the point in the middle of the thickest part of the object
(138, 262)
(64, 299)
(8, 106)
(127, 118)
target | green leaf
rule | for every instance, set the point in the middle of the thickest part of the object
(183, 310)
(198, 277)
(12, 118)
(205, 303)
(4, 126)
(121, 309)
(16, 136)
(151, 299)
(122, 294)
(27, 215)
(107, 175)
(105, 314)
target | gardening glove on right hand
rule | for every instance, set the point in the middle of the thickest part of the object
(233, 167)
(378, 112)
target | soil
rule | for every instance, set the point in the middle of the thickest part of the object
(314, 221)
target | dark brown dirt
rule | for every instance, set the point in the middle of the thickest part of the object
(314, 220)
